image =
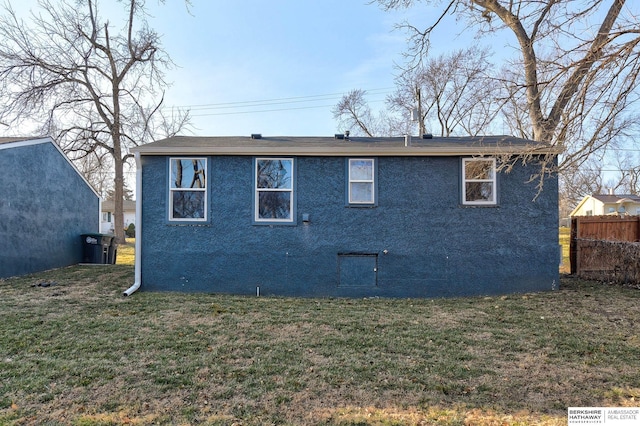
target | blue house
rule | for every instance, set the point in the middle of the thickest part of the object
(340, 216)
(45, 206)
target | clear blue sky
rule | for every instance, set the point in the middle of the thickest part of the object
(277, 67)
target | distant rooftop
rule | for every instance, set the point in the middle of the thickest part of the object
(15, 139)
(614, 198)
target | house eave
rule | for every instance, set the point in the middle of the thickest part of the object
(402, 151)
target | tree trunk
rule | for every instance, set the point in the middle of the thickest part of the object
(118, 200)
(545, 127)
(118, 184)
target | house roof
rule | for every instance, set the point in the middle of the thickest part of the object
(23, 140)
(109, 205)
(606, 199)
(335, 146)
(8, 140)
(616, 198)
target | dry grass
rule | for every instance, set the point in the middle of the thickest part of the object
(74, 351)
(565, 240)
(126, 252)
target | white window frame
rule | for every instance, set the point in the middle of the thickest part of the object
(371, 181)
(493, 181)
(204, 190)
(257, 191)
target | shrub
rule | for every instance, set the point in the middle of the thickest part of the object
(130, 231)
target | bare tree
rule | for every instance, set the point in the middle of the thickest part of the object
(573, 187)
(97, 89)
(450, 92)
(576, 70)
(98, 171)
(628, 181)
(354, 114)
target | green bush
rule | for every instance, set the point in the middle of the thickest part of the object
(130, 231)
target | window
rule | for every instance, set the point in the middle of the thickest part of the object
(479, 181)
(106, 217)
(274, 190)
(361, 181)
(188, 189)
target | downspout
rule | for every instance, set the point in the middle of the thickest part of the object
(138, 247)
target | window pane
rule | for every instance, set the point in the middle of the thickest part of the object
(361, 169)
(274, 205)
(479, 191)
(478, 170)
(188, 204)
(361, 192)
(188, 173)
(274, 174)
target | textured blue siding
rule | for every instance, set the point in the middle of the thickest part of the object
(419, 238)
(44, 208)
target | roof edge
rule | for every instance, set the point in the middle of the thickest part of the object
(347, 150)
(19, 143)
(26, 141)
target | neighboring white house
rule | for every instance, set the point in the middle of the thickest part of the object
(605, 204)
(108, 212)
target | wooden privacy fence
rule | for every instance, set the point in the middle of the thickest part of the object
(606, 247)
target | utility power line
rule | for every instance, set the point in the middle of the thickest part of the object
(272, 109)
(259, 111)
(240, 107)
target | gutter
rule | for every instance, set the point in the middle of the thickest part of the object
(138, 247)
